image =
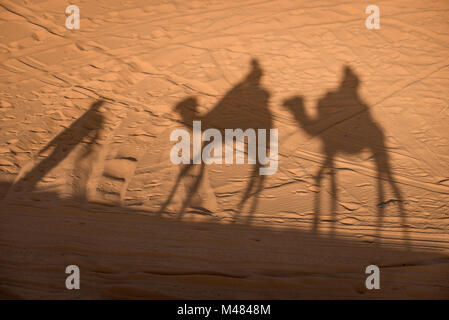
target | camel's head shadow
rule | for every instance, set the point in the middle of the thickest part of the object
(295, 105)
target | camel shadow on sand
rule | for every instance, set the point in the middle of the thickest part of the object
(245, 106)
(345, 126)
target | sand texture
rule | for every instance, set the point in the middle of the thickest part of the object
(85, 171)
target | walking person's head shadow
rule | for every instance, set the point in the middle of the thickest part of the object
(344, 125)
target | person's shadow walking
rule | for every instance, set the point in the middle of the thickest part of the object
(84, 130)
(244, 107)
(345, 126)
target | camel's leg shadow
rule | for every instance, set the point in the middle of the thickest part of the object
(334, 200)
(328, 163)
(384, 173)
(257, 183)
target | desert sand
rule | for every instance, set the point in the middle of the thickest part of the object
(85, 170)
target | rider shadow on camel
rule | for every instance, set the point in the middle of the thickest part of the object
(245, 106)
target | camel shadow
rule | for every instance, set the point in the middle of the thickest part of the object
(245, 106)
(345, 126)
(85, 130)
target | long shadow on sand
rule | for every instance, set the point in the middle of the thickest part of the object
(345, 126)
(85, 130)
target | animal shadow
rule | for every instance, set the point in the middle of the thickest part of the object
(345, 126)
(243, 107)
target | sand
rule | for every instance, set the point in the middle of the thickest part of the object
(85, 171)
